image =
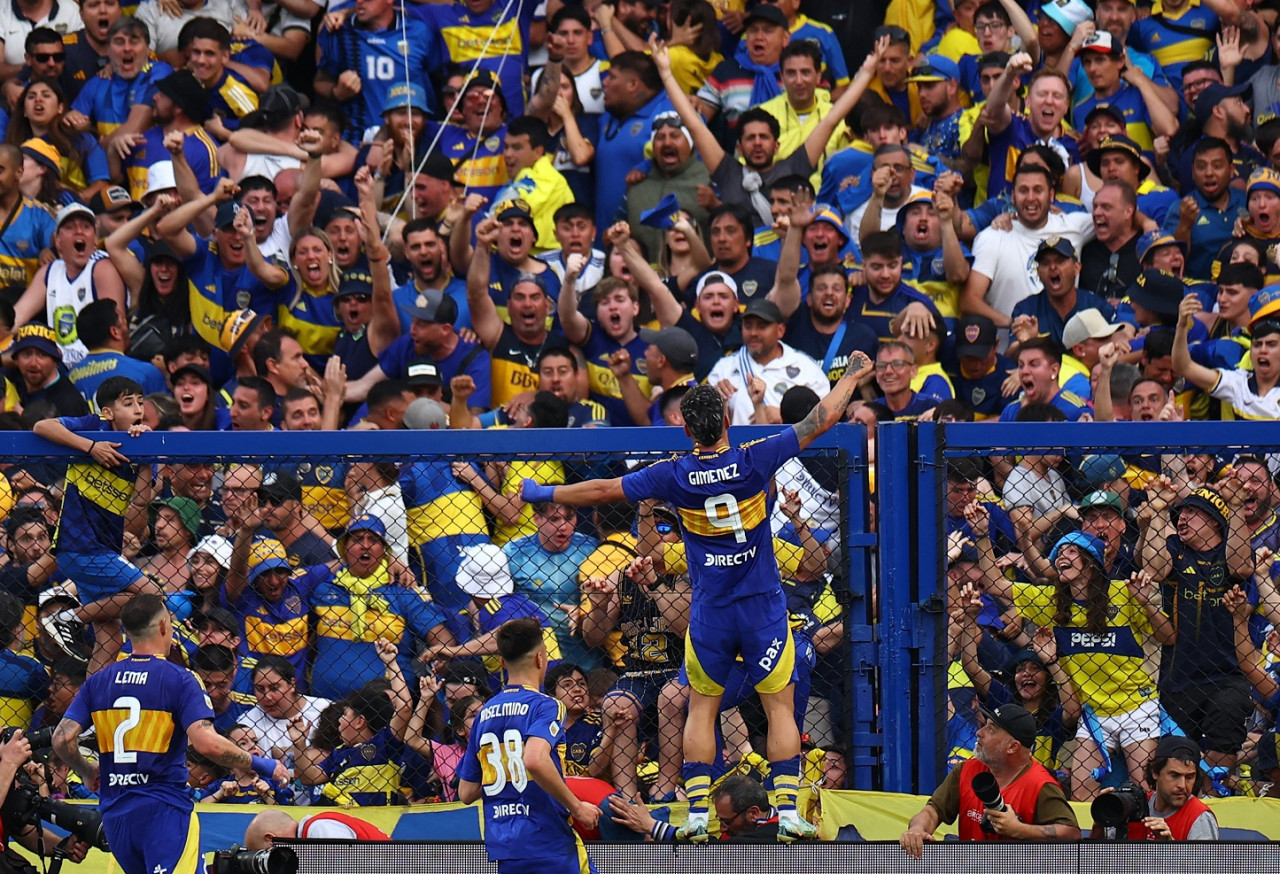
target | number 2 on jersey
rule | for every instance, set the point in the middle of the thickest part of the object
(505, 761)
(134, 706)
(722, 512)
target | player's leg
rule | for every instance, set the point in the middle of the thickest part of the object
(169, 843)
(105, 584)
(709, 652)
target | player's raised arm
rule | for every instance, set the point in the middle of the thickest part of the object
(583, 494)
(830, 409)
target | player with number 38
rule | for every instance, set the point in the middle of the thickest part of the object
(723, 494)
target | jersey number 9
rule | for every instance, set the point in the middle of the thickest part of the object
(504, 760)
(722, 512)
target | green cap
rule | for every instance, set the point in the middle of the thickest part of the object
(1101, 499)
(188, 512)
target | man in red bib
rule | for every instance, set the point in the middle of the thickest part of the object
(1035, 808)
(271, 824)
(1176, 814)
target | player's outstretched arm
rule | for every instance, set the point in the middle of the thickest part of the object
(66, 743)
(830, 409)
(207, 742)
(538, 762)
(583, 494)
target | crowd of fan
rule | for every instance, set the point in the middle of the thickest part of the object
(373, 215)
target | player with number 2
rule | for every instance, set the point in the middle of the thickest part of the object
(514, 763)
(723, 495)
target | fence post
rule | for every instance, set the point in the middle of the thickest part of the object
(928, 613)
(854, 594)
(894, 485)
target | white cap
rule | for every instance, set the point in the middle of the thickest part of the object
(424, 414)
(484, 572)
(66, 590)
(1085, 325)
(715, 277)
(159, 178)
(74, 209)
(216, 546)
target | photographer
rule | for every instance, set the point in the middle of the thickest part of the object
(1029, 804)
(15, 753)
(1173, 812)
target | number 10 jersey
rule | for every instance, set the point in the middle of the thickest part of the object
(141, 708)
(522, 821)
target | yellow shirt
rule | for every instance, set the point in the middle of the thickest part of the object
(546, 190)
(795, 129)
(689, 69)
(957, 43)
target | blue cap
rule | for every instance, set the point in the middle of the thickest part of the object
(404, 94)
(1097, 471)
(365, 522)
(1087, 542)
(267, 554)
(1154, 240)
(1264, 302)
(664, 215)
(936, 68)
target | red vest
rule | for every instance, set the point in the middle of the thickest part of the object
(592, 791)
(1020, 795)
(1179, 824)
(364, 831)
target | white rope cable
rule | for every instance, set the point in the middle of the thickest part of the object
(484, 50)
(408, 94)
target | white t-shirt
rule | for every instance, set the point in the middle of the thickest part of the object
(790, 368)
(1007, 258)
(589, 83)
(888, 217)
(14, 27)
(165, 28)
(819, 506)
(274, 732)
(1024, 488)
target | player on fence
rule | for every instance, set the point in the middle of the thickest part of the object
(146, 710)
(514, 761)
(738, 607)
(100, 496)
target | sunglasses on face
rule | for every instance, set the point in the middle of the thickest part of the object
(49, 57)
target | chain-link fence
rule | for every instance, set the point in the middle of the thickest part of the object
(1119, 593)
(341, 607)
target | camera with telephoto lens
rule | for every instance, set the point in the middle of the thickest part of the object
(984, 786)
(238, 860)
(25, 806)
(1114, 810)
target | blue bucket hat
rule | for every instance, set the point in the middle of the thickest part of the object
(1087, 542)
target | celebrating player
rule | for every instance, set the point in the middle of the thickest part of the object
(145, 710)
(738, 605)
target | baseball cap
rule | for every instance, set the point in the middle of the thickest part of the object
(216, 546)
(1061, 245)
(425, 414)
(433, 305)
(188, 511)
(353, 285)
(486, 79)
(1155, 240)
(438, 166)
(159, 178)
(1263, 179)
(199, 371)
(1214, 94)
(111, 199)
(405, 94)
(34, 335)
(1175, 746)
(976, 336)
(365, 522)
(676, 344)
(484, 572)
(936, 68)
(1157, 290)
(1087, 542)
(1105, 108)
(1100, 470)
(1067, 13)
(824, 212)
(1118, 143)
(1094, 500)
(281, 487)
(465, 672)
(267, 554)
(278, 103)
(220, 616)
(1102, 43)
(1015, 719)
(423, 371)
(1085, 325)
(185, 90)
(765, 12)
(762, 308)
(43, 152)
(715, 277)
(72, 210)
(1264, 302)
(512, 209)
(57, 593)
(236, 328)
(1210, 502)
(227, 212)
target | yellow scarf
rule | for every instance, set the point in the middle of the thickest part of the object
(361, 590)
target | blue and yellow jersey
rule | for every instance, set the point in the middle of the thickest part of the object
(1174, 49)
(324, 494)
(368, 773)
(83, 61)
(276, 627)
(1107, 668)
(444, 517)
(1137, 121)
(722, 496)
(406, 50)
(21, 241)
(478, 159)
(232, 98)
(598, 348)
(350, 614)
(513, 364)
(581, 743)
(495, 40)
(215, 291)
(926, 272)
(310, 315)
(198, 147)
(546, 472)
(23, 685)
(521, 820)
(91, 167)
(95, 500)
(141, 708)
(495, 611)
(107, 98)
(545, 189)
(1006, 147)
(252, 53)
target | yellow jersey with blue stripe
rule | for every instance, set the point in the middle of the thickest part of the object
(1176, 38)
(95, 500)
(478, 159)
(108, 98)
(141, 708)
(311, 317)
(722, 496)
